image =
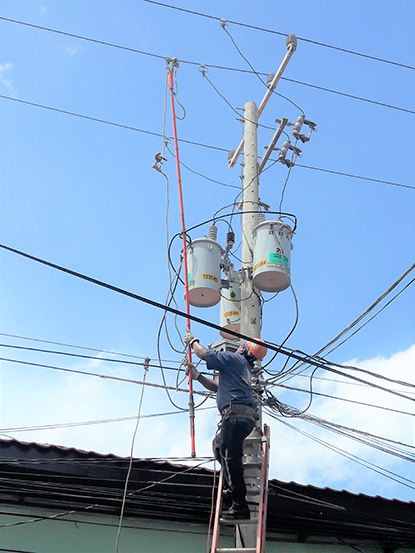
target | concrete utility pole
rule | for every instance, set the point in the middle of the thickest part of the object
(250, 306)
(246, 533)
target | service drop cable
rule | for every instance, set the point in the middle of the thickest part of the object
(186, 282)
(349, 327)
(295, 354)
(130, 464)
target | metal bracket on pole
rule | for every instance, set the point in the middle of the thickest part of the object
(291, 43)
(272, 144)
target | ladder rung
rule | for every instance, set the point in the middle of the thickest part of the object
(238, 521)
(253, 439)
(253, 464)
(236, 550)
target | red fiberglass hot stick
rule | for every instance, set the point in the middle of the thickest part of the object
(186, 283)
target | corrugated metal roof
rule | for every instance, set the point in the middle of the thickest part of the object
(61, 477)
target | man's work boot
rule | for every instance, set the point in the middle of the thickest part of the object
(237, 511)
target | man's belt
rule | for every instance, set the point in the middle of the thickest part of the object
(238, 410)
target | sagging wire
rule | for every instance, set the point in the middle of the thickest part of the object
(130, 464)
(162, 324)
(288, 335)
(223, 25)
(202, 175)
(173, 280)
(394, 448)
(367, 464)
(203, 71)
(216, 217)
(170, 298)
(298, 364)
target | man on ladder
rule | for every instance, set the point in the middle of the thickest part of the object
(236, 406)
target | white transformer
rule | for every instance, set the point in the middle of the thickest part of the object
(204, 272)
(272, 255)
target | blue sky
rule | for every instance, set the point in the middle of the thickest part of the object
(83, 194)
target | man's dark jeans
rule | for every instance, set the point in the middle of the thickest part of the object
(229, 452)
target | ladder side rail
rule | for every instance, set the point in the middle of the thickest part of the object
(216, 525)
(263, 503)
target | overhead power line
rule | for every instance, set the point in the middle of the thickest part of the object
(79, 356)
(294, 354)
(103, 376)
(78, 347)
(303, 390)
(367, 464)
(97, 120)
(352, 96)
(217, 148)
(196, 63)
(256, 28)
(93, 422)
(355, 176)
(81, 37)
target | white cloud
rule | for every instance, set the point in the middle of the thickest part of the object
(298, 458)
(5, 69)
(72, 50)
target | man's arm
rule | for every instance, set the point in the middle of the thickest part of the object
(200, 351)
(207, 383)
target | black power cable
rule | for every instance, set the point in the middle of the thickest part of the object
(318, 363)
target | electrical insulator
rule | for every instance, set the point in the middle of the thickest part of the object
(212, 232)
(297, 127)
(270, 78)
(231, 153)
(291, 40)
(230, 240)
(283, 152)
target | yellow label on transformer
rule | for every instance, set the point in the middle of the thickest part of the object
(205, 276)
(231, 314)
(260, 264)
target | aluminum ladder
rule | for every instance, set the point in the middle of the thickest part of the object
(256, 479)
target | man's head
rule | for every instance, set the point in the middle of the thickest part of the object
(252, 352)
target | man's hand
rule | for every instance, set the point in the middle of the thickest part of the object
(191, 368)
(189, 339)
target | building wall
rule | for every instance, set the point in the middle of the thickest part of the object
(91, 533)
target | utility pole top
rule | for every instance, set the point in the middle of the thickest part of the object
(291, 43)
